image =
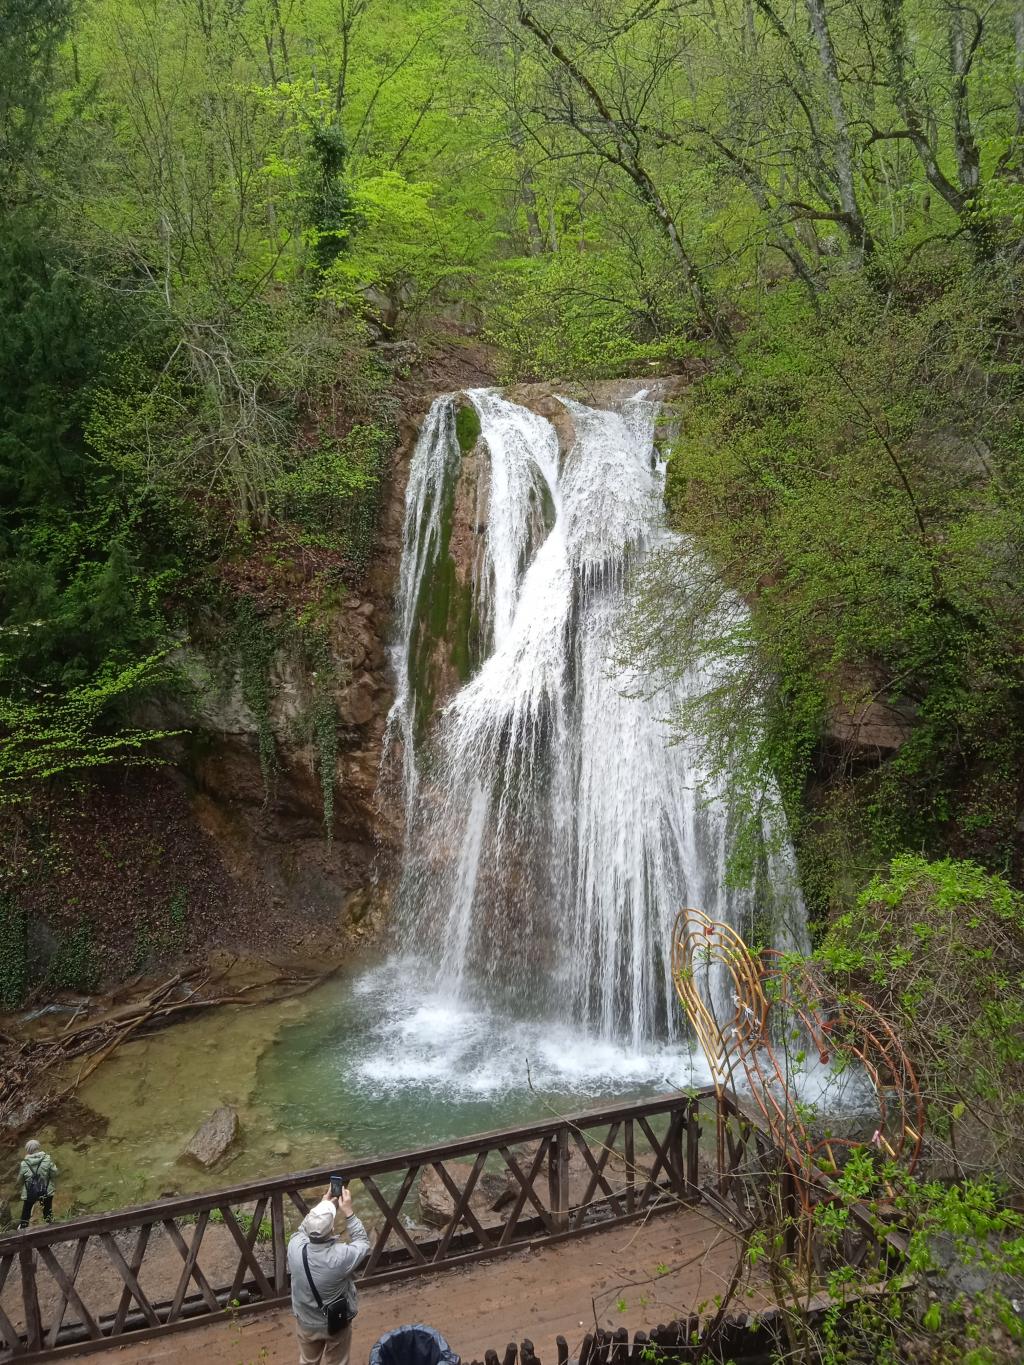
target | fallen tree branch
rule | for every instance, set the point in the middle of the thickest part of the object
(31, 1062)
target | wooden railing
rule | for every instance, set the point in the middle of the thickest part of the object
(754, 1177)
(142, 1272)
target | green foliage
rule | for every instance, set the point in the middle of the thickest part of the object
(74, 965)
(948, 1298)
(467, 426)
(333, 492)
(940, 947)
(256, 645)
(587, 315)
(86, 557)
(329, 201)
(323, 714)
(33, 33)
(60, 735)
(13, 953)
(252, 645)
(863, 496)
(161, 931)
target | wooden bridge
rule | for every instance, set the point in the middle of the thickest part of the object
(103, 1280)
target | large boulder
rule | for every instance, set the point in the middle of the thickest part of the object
(870, 727)
(211, 1142)
(490, 1194)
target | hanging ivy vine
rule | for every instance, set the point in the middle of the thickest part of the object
(13, 954)
(323, 715)
(253, 644)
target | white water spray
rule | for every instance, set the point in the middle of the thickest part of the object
(559, 829)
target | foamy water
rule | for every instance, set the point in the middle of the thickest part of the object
(425, 1046)
(437, 1041)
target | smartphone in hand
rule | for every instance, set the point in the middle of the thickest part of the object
(337, 1185)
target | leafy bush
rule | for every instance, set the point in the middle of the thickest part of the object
(332, 491)
(74, 965)
(586, 314)
(940, 948)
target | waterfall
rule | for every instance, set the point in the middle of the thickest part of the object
(552, 827)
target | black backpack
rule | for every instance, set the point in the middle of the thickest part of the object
(36, 1185)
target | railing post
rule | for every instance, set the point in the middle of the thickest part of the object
(30, 1300)
(674, 1142)
(721, 1122)
(693, 1145)
(280, 1248)
(790, 1210)
(629, 1154)
(558, 1177)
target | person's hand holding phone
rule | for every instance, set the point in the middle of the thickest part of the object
(340, 1193)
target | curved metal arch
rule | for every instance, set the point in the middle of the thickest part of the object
(771, 994)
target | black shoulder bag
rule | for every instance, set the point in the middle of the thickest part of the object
(37, 1184)
(339, 1312)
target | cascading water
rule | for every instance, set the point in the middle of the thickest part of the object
(552, 828)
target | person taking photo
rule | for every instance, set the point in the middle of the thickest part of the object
(321, 1266)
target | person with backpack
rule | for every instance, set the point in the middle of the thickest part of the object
(38, 1174)
(321, 1265)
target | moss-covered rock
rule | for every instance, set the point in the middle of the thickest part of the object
(467, 426)
(446, 648)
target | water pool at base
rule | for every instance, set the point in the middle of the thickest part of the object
(368, 1064)
(388, 1067)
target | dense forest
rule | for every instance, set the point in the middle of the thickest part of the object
(233, 231)
(213, 217)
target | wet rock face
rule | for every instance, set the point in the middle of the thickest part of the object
(866, 723)
(871, 728)
(211, 1142)
(446, 648)
(269, 827)
(449, 638)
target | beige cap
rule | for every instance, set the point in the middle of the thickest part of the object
(319, 1221)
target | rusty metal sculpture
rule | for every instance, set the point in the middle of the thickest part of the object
(758, 1019)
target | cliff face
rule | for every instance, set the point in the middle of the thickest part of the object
(270, 833)
(448, 641)
(301, 854)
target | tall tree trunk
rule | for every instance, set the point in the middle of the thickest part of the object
(622, 150)
(844, 159)
(961, 57)
(894, 24)
(529, 198)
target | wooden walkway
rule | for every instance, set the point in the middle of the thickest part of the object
(627, 1276)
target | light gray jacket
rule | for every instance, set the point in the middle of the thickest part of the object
(331, 1264)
